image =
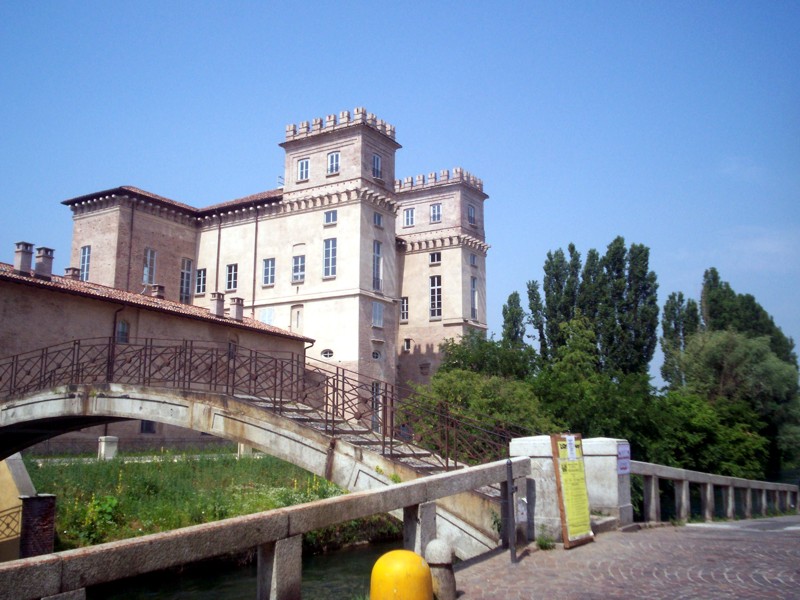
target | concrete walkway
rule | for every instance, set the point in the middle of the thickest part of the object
(740, 559)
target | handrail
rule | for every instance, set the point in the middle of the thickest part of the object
(351, 404)
(72, 570)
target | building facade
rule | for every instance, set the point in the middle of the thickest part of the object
(377, 270)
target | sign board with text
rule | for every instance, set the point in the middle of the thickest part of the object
(573, 499)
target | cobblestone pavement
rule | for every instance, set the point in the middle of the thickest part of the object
(741, 559)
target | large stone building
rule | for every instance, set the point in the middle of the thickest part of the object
(377, 270)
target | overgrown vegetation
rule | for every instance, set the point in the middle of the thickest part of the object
(111, 500)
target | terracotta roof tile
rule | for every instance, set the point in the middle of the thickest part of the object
(101, 292)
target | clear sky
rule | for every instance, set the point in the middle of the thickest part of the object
(674, 124)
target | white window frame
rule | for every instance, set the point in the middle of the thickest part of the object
(329, 257)
(268, 272)
(331, 217)
(435, 257)
(200, 281)
(377, 167)
(404, 308)
(435, 296)
(303, 169)
(231, 276)
(377, 313)
(86, 259)
(149, 269)
(187, 269)
(377, 265)
(377, 219)
(473, 298)
(436, 213)
(298, 268)
(408, 217)
(333, 162)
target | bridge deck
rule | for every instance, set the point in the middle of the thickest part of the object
(742, 559)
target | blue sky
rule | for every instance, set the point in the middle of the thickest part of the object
(674, 124)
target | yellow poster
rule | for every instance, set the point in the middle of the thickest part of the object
(571, 478)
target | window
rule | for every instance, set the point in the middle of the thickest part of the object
(377, 314)
(330, 217)
(329, 258)
(123, 332)
(377, 266)
(408, 217)
(473, 260)
(200, 282)
(299, 268)
(473, 297)
(149, 272)
(376, 406)
(377, 219)
(86, 255)
(267, 315)
(186, 280)
(436, 213)
(296, 323)
(147, 427)
(268, 276)
(333, 163)
(436, 296)
(404, 308)
(407, 345)
(231, 276)
(435, 257)
(327, 353)
(302, 169)
(376, 354)
(377, 172)
(471, 214)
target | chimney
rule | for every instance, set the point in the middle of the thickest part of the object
(44, 262)
(237, 309)
(157, 291)
(22, 257)
(72, 273)
(217, 304)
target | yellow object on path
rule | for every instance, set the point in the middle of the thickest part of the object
(401, 575)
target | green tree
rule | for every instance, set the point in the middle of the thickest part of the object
(680, 319)
(513, 322)
(475, 352)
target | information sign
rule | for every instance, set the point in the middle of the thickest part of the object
(573, 499)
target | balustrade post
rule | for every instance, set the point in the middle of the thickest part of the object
(652, 499)
(729, 497)
(748, 503)
(764, 502)
(280, 569)
(683, 508)
(707, 501)
(419, 526)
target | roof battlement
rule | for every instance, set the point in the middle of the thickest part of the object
(331, 123)
(444, 177)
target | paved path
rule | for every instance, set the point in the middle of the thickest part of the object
(740, 559)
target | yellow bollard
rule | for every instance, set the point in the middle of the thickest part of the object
(401, 575)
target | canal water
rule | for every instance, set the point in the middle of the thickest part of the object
(340, 575)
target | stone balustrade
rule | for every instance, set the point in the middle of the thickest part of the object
(740, 497)
(275, 534)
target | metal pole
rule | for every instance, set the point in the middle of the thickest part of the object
(511, 529)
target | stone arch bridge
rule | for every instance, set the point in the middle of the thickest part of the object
(351, 430)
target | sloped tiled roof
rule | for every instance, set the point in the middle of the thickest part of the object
(127, 190)
(101, 292)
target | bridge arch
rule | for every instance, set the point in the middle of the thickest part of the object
(36, 416)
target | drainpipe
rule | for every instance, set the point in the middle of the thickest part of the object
(255, 269)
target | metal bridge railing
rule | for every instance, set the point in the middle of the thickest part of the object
(348, 403)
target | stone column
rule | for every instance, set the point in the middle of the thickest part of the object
(729, 494)
(748, 503)
(107, 446)
(683, 508)
(280, 569)
(652, 499)
(419, 526)
(707, 501)
(608, 477)
(546, 513)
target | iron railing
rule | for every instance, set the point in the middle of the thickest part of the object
(337, 401)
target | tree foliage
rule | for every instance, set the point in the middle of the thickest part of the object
(513, 322)
(617, 292)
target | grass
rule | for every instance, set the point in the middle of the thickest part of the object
(111, 500)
